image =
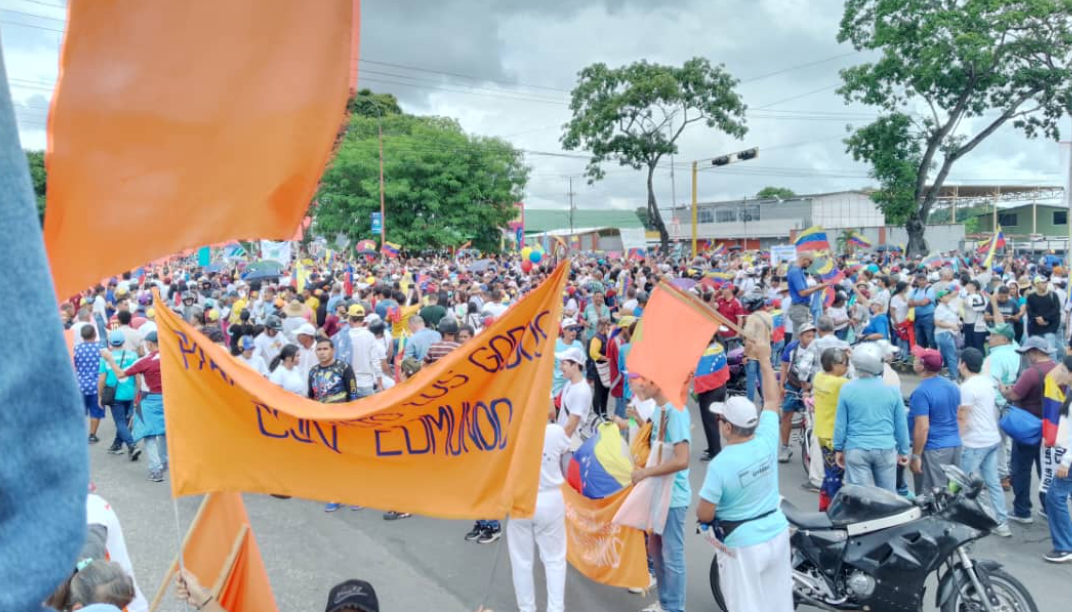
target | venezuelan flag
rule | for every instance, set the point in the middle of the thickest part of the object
(720, 249)
(859, 240)
(713, 370)
(1053, 398)
(602, 466)
(778, 333)
(721, 276)
(636, 253)
(826, 270)
(995, 242)
(390, 249)
(812, 239)
(933, 260)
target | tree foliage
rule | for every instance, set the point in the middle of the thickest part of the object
(442, 186)
(365, 103)
(645, 220)
(633, 115)
(39, 178)
(772, 193)
(973, 65)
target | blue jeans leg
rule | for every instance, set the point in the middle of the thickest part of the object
(156, 451)
(925, 331)
(751, 379)
(873, 468)
(947, 346)
(120, 414)
(1057, 513)
(668, 556)
(984, 463)
(620, 405)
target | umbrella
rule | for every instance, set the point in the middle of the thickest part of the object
(735, 247)
(684, 283)
(212, 268)
(262, 274)
(481, 265)
(265, 264)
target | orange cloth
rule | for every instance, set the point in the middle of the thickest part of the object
(607, 553)
(670, 339)
(215, 122)
(461, 439)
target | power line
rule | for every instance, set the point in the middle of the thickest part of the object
(798, 67)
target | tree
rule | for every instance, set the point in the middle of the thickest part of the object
(442, 186)
(39, 178)
(975, 65)
(634, 115)
(776, 193)
(645, 220)
(365, 103)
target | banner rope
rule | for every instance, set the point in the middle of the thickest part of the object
(494, 565)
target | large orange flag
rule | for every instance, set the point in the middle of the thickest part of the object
(598, 548)
(180, 124)
(670, 339)
(462, 439)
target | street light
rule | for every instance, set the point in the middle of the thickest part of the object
(721, 160)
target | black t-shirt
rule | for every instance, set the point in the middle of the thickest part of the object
(1045, 306)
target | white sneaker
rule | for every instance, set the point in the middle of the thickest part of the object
(1002, 531)
(651, 585)
(785, 454)
(655, 607)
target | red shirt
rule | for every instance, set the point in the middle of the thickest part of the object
(612, 351)
(148, 367)
(730, 309)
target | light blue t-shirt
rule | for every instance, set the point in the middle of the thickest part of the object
(926, 293)
(678, 424)
(559, 379)
(124, 391)
(742, 482)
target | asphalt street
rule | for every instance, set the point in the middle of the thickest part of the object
(424, 564)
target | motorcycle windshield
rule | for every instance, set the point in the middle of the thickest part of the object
(855, 503)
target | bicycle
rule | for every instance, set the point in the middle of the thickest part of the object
(803, 424)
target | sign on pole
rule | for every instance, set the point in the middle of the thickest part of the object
(783, 252)
(377, 223)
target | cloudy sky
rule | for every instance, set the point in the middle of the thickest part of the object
(505, 68)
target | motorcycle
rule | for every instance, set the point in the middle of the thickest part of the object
(874, 550)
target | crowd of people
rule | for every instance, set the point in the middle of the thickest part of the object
(982, 342)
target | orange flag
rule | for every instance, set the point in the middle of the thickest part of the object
(181, 124)
(461, 439)
(599, 549)
(671, 337)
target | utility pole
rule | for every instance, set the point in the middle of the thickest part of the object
(695, 171)
(383, 217)
(721, 160)
(570, 194)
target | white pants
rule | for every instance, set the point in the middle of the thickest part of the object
(547, 529)
(758, 578)
(816, 470)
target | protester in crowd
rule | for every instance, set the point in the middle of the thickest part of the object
(753, 555)
(249, 357)
(797, 368)
(366, 353)
(870, 430)
(758, 326)
(977, 418)
(87, 356)
(826, 389)
(331, 382)
(932, 418)
(618, 346)
(709, 391)
(1027, 394)
(672, 427)
(271, 341)
(598, 367)
(1057, 514)
(1044, 314)
(285, 372)
(800, 293)
(121, 400)
(448, 333)
(922, 299)
(566, 339)
(420, 339)
(149, 418)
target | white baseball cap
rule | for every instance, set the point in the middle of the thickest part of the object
(573, 354)
(738, 411)
(306, 329)
(569, 322)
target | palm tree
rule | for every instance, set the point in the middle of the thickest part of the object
(843, 244)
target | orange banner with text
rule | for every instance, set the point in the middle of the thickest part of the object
(607, 553)
(461, 439)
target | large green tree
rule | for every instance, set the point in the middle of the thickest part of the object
(781, 193)
(971, 67)
(443, 187)
(634, 114)
(39, 178)
(368, 104)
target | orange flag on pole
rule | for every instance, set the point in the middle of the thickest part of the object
(671, 337)
(601, 550)
(188, 123)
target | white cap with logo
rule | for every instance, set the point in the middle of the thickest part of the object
(573, 354)
(738, 411)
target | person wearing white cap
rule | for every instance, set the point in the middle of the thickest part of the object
(743, 513)
(575, 400)
(306, 336)
(567, 339)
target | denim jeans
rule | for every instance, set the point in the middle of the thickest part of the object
(493, 525)
(947, 346)
(1057, 513)
(668, 556)
(872, 468)
(121, 412)
(620, 406)
(751, 380)
(984, 463)
(45, 472)
(365, 391)
(156, 451)
(1023, 457)
(925, 331)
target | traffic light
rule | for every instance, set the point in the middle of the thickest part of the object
(748, 154)
(720, 161)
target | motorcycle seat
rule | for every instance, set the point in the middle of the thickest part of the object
(803, 519)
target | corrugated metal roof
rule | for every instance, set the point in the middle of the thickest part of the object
(545, 220)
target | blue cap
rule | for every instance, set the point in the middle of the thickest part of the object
(115, 338)
(247, 343)
(151, 337)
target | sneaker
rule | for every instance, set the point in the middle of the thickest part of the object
(808, 485)
(93, 439)
(1042, 513)
(1002, 531)
(394, 516)
(134, 452)
(1023, 520)
(332, 507)
(1058, 556)
(706, 457)
(489, 535)
(474, 534)
(655, 607)
(156, 476)
(355, 508)
(785, 454)
(651, 585)
(116, 450)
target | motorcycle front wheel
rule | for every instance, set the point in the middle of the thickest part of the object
(1011, 593)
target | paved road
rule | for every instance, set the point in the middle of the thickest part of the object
(424, 564)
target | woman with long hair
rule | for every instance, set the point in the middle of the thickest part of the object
(285, 372)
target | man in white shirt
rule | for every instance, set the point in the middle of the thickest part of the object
(977, 418)
(366, 353)
(271, 341)
(577, 395)
(494, 307)
(306, 335)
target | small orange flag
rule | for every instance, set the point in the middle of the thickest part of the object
(180, 124)
(601, 550)
(671, 337)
